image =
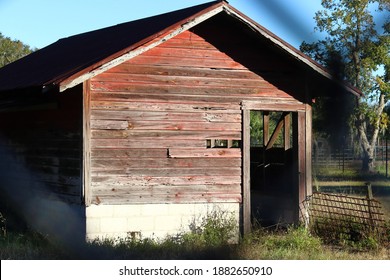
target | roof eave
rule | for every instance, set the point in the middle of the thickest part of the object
(290, 49)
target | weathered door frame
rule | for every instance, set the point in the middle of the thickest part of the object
(302, 153)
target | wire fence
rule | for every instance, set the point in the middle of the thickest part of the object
(347, 158)
(334, 215)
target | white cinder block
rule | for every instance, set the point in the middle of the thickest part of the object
(150, 220)
(93, 225)
(126, 210)
(154, 209)
(99, 211)
(113, 225)
(167, 223)
(139, 223)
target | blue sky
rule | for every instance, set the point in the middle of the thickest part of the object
(41, 22)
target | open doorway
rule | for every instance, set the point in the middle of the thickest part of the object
(273, 187)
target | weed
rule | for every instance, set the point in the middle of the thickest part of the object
(348, 233)
(216, 229)
(3, 226)
(292, 243)
(209, 239)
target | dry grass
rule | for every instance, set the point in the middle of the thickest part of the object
(290, 244)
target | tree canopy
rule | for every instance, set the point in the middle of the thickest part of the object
(11, 50)
(359, 52)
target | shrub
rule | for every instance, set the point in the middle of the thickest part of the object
(3, 226)
(218, 228)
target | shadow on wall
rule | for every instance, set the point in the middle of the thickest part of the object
(23, 194)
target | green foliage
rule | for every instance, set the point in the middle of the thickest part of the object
(256, 124)
(292, 243)
(295, 239)
(209, 238)
(355, 49)
(11, 50)
(218, 228)
(256, 121)
(3, 226)
(349, 233)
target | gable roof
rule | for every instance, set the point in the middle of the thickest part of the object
(72, 60)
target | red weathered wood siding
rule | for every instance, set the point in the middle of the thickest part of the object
(40, 146)
(152, 115)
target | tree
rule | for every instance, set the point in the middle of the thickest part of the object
(11, 50)
(355, 50)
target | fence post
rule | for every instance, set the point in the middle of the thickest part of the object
(387, 157)
(369, 200)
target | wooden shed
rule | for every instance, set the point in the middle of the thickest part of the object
(143, 127)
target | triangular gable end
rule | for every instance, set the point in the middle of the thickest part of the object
(187, 24)
(149, 43)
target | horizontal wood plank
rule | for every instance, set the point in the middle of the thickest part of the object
(168, 172)
(146, 135)
(146, 143)
(178, 180)
(107, 164)
(129, 153)
(130, 68)
(157, 199)
(170, 105)
(163, 125)
(208, 116)
(204, 153)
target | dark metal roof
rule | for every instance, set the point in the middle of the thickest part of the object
(51, 64)
(71, 57)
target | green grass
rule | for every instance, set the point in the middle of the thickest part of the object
(211, 239)
(352, 173)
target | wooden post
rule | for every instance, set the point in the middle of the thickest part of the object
(296, 177)
(302, 155)
(265, 128)
(308, 151)
(246, 184)
(369, 190)
(369, 198)
(287, 127)
(387, 158)
(86, 144)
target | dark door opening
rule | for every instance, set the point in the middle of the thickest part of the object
(272, 182)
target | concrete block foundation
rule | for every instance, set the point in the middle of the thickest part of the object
(150, 220)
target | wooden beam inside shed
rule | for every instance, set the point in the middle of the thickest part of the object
(287, 128)
(276, 132)
(265, 128)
